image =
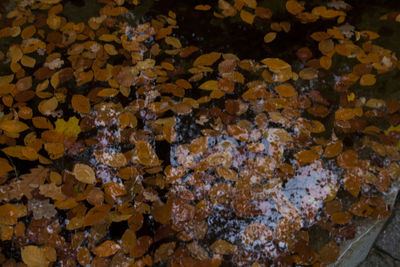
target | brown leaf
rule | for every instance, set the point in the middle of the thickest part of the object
(106, 249)
(84, 173)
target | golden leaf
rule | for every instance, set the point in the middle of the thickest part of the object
(202, 7)
(13, 126)
(367, 80)
(209, 85)
(173, 42)
(207, 59)
(247, 16)
(275, 64)
(34, 256)
(285, 90)
(269, 37)
(146, 154)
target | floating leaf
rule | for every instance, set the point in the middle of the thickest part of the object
(209, 85)
(223, 247)
(269, 37)
(69, 128)
(202, 7)
(293, 7)
(306, 156)
(256, 233)
(80, 104)
(275, 64)
(247, 16)
(329, 253)
(13, 126)
(341, 217)
(9, 215)
(106, 249)
(207, 59)
(146, 154)
(285, 90)
(34, 256)
(367, 80)
(84, 173)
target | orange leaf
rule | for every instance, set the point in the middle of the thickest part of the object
(80, 104)
(13, 126)
(247, 16)
(202, 7)
(269, 37)
(285, 90)
(293, 7)
(367, 80)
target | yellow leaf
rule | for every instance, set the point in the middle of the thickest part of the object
(209, 85)
(351, 97)
(69, 128)
(84, 173)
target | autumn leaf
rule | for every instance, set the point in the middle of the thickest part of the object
(34, 256)
(13, 126)
(106, 249)
(69, 128)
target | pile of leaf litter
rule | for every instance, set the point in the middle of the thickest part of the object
(125, 145)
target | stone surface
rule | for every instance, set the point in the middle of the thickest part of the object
(378, 258)
(389, 239)
(386, 250)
